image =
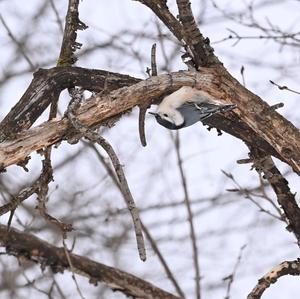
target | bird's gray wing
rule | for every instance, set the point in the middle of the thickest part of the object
(193, 112)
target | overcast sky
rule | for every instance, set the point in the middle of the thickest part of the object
(205, 154)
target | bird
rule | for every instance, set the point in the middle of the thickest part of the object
(186, 106)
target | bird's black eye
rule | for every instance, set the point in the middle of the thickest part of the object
(166, 115)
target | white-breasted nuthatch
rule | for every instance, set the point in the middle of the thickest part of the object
(187, 106)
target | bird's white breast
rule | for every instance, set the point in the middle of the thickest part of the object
(185, 94)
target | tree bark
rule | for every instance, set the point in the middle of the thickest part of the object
(22, 245)
(254, 121)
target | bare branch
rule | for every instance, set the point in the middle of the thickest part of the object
(95, 137)
(145, 229)
(144, 107)
(58, 20)
(34, 249)
(280, 185)
(249, 195)
(231, 277)
(72, 268)
(186, 32)
(284, 87)
(193, 236)
(142, 114)
(285, 268)
(19, 45)
(153, 61)
(161, 10)
(163, 262)
(200, 49)
(40, 186)
(69, 44)
(46, 87)
(254, 121)
(16, 200)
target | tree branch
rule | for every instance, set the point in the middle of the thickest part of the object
(69, 44)
(187, 202)
(254, 121)
(47, 85)
(285, 268)
(202, 52)
(22, 245)
(163, 262)
(161, 10)
(19, 45)
(122, 181)
(280, 185)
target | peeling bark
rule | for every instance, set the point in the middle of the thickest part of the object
(254, 121)
(47, 85)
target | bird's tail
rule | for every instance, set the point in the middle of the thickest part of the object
(227, 107)
(208, 109)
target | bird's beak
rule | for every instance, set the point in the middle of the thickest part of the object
(152, 113)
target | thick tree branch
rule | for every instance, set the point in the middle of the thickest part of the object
(202, 52)
(47, 85)
(22, 245)
(254, 121)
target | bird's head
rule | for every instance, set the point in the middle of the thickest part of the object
(169, 117)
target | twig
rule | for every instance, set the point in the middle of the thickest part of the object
(284, 87)
(273, 32)
(142, 114)
(162, 45)
(190, 217)
(163, 261)
(95, 137)
(276, 106)
(285, 268)
(32, 284)
(153, 61)
(262, 188)
(280, 185)
(243, 75)
(19, 45)
(249, 195)
(143, 108)
(235, 36)
(72, 268)
(40, 186)
(12, 212)
(59, 290)
(16, 200)
(58, 20)
(161, 10)
(42, 192)
(231, 277)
